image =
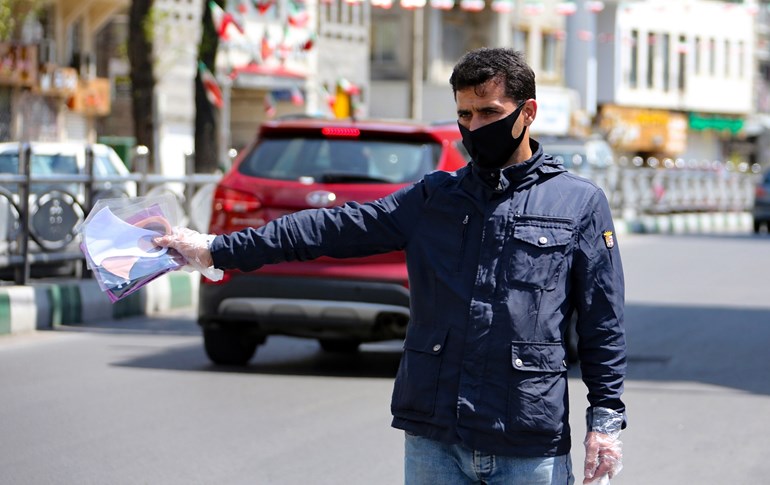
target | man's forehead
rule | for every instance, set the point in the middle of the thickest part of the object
(488, 93)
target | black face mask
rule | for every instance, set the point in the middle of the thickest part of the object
(491, 146)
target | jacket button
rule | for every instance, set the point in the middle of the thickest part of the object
(437, 347)
(543, 240)
(518, 363)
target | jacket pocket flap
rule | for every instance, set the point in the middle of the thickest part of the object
(542, 236)
(425, 338)
(538, 356)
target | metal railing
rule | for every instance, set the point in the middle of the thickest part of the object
(40, 214)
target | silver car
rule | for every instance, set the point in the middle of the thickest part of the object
(55, 206)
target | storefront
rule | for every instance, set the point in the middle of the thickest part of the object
(645, 132)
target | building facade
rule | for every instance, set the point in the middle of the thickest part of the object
(665, 86)
(49, 85)
(439, 33)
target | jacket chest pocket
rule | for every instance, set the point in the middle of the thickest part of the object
(418, 373)
(537, 251)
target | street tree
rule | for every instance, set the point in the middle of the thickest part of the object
(140, 42)
(206, 128)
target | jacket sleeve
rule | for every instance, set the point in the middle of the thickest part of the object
(351, 230)
(599, 295)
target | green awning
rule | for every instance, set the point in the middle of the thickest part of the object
(699, 122)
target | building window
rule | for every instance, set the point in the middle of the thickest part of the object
(698, 47)
(741, 66)
(633, 77)
(666, 55)
(712, 57)
(550, 44)
(651, 41)
(521, 41)
(682, 63)
(385, 40)
(728, 54)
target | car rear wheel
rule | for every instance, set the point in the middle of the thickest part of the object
(757, 226)
(339, 346)
(229, 347)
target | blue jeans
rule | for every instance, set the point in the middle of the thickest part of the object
(429, 462)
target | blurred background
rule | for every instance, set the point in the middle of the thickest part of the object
(191, 77)
(665, 105)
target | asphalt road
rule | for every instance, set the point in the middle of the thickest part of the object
(137, 402)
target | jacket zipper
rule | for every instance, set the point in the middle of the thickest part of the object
(462, 243)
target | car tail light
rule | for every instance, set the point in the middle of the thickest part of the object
(229, 200)
(337, 131)
(232, 210)
(760, 192)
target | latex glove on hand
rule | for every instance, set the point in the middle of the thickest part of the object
(604, 451)
(194, 248)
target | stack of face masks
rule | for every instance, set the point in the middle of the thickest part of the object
(117, 243)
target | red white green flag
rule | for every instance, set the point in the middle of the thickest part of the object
(211, 86)
(224, 23)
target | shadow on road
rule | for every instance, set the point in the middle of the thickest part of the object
(709, 345)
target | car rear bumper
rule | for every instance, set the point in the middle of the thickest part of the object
(307, 307)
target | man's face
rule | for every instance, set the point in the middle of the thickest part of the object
(481, 105)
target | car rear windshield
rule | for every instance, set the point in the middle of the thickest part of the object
(335, 160)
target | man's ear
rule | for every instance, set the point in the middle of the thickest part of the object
(529, 111)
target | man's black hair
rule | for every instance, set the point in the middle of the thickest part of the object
(508, 65)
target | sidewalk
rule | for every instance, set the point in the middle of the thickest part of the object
(46, 305)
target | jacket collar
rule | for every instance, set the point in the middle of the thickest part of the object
(520, 175)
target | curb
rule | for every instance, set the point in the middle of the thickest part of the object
(44, 306)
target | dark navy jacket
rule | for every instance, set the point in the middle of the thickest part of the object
(497, 263)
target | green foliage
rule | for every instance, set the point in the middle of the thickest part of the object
(13, 14)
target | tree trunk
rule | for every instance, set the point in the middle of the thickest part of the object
(142, 76)
(206, 127)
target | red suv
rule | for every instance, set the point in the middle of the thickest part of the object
(297, 164)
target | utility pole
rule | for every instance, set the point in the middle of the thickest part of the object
(415, 85)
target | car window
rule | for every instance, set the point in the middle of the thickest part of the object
(42, 164)
(103, 166)
(9, 163)
(56, 164)
(341, 160)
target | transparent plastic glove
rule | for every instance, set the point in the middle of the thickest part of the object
(194, 248)
(604, 452)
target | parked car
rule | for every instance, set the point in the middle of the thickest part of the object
(761, 209)
(579, 153)
(56, 206)
(296, 164)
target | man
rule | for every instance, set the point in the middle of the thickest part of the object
(500, 254)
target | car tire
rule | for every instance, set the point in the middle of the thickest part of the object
(757, 226)
(338, 346)
(229, 347)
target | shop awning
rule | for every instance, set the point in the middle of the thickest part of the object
(701, 122)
